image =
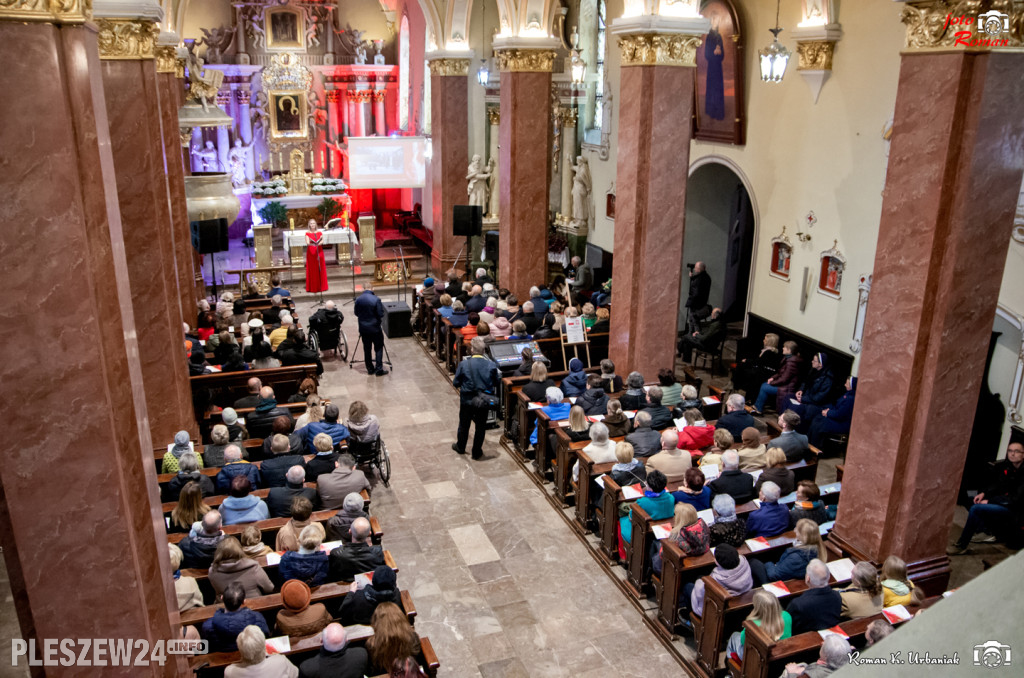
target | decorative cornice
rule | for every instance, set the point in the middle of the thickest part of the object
(815, 55)
(446, 66)
(929, 30)
(494, 115)
(655, 49)
(166, 58)
(127, 39)
(48, 11)
(520, 60)
(570, 116)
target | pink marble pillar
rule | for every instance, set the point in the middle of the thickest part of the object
(133, 108)
(361, 98)
(380, 126)
(333, 132)
(947, 213)
(524, 168)
(449, 96)
(78, 394)
(655, 104)
(350, 113)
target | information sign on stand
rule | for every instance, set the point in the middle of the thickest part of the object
(573, 334)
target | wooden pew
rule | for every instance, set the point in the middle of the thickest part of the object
(227, 387)
(270, 526)
(168, 506)
(214, 470)
(202, 574)
(253, 447)
(589, 472)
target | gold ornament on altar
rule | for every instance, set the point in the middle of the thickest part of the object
(127, 39)
(655, 49)
(166, 59)
(494, 115)
(49, 11)
(286, 84)
(525, 60)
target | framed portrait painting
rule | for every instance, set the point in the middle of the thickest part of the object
(719, 112)
(285, 29)
(288, 115)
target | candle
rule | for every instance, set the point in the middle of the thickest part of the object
(323, 161)
(280, 162)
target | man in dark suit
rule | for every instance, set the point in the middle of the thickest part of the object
(708, 340)
(254, 395)
(370, 312)
(360, 556)
(736, 418)
(733, 481)
(820, 607)
(279, 500)
(792, 443)
(644, 439)
(661, 416)
(274, 470)
(697, 299)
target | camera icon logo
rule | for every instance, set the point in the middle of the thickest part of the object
(993, 23)
(992, 654)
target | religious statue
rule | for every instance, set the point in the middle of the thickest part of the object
(238, 159)
(217, 41)
(202, 84)
(360, 54)
(581, 187)
(813, 11)
(477, 177)
(207, 157)
(492, 190)
(311, 25)
(378, 58)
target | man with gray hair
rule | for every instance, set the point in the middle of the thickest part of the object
(644, 439)
(357, 556)
(733, 481)
(771, 517)
(820, 607)
(274, 469)
(530, 319)
(736, 418)
(279, 499)
(556, 410)
(834, 654)
(661, 416)
(199, 547)
(235, 466)
(336, 658)
(345, 478)
(477, 379)
(579, 275)
(272, 316)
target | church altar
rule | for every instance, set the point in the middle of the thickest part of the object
(332, 236)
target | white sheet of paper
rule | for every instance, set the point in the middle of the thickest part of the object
(600, 481)
(630, 414)
(825, 528)
(572, 399)
(896, 613)
(574, 331)
(841, 569)
(273, 558)
(191, 446)
(754, 545)
(776, 591)
(710, 471)
(680, 424)
(329, 546)
(662, 531)
(711, 400)
(825, 633)
(280, 644)
(831, 488)
(708, 515)
(757, 503)
(630, 492)
(534, 406)
(756, 474)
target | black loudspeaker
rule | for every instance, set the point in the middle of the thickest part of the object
(210, 235)
(467, 220)
(491, 246)
(397, 319)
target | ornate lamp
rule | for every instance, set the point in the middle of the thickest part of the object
(483, 74)
(774, 57)
(576, 63)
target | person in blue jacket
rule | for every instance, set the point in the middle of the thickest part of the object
(475, 375)
(575, 383)
(555, 409)
(835, 418)
(370, 311)
(771, 518)
(224, 626)
(793, 562)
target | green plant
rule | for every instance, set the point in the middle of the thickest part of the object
(273, 213)
(329, 209)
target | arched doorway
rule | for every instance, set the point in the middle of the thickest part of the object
(720, 230)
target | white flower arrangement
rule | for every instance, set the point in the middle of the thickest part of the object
(279, 182)
(317, 181)
(257, 190)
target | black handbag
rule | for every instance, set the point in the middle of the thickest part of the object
(485, 400)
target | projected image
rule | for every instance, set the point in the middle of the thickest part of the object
(387, 162)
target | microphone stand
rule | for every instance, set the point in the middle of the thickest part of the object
(459, 256)
(403, 280)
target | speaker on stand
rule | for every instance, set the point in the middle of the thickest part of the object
(210, 236)
(467, 221)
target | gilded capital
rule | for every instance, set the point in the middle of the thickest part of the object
(494, 115)
(166, 58)
(570, 116)
(815, 55)
(127, 38)
(944, 25)
(449, 66)
(48, 11)
(656, 49)
(525, 60)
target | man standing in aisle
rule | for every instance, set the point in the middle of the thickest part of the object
(370, 312)
(476, 375)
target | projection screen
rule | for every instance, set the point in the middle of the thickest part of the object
(386, 162)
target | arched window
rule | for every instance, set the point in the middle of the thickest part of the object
(403, 74)
(593, 35)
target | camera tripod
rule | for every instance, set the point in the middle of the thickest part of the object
(355, 352)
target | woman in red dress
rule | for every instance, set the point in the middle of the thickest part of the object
(316, 270)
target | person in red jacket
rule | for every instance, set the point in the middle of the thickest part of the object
(697, 434)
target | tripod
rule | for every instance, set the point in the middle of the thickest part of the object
(355, 351)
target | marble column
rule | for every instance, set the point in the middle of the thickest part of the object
(569, 118)
(133, 109)
(947, 215)
(333, 131)
(449, 112)
(493, 120)
(362, 97)
(349, 108)
(655, 105)
(223, 133)
(242, 97)
(379, 122)
(70, 255)
(241, 55)
(524, 165)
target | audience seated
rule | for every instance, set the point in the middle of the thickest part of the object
(223, 627)
(767, 613)
(793, 562)
(601, 450)
(276, 289)
(345, 478)
(612, 381)
(199, 547)
(476, 301)
(260, 421)
(281, 333)
(834, 419)
(272, 316)
(992, 508)
(325, 459)
(750, 373)
(897, 588)
(188, 472)
(298, 352)
(234, 466)
(236, 431)
(728, 528)
(213, 454)
(834, 655)
(815, 391)
(820, 607)
(736, 417)
(579, 426)
(288, 535)
(627, 469)
(863, 597)
(574, 383)
(359, 605)
(279, 500)
(329, 425)
(732, 571)
(794, 444)
(782, 382)
(525, 369)
(603, 322)
(242, 506)
(661, 416)
(460, 316)
(723, 442)
(671, 461)
(527, 327)
(751, 450)
(876, 631)
(539, 382)
(340, 524)
(251, 540)
(808, 504)
(697, 434)
(445, 307)
(708, 340)
(297, 617)
(336, 659)
(282, 457)
(186, 589)
(593, 400)
(356, 557)
(540, 306)
(733, 481)
(309, 564)
(671, 389)
(771, 517)
(644, 439)
(181, 445)
(616, 420)
(393, 639)
(635, 398)
(262, 357)
(777, 472)
(189, 510)
(363, 426)
(255, 662)
(656, 503)
(689, 532)
(693, 491)
(688, 399)
(555, 409)
(231, 566)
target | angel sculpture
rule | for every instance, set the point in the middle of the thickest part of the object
(203, 84)
(217, 41)
(350, 39)
(311, 25)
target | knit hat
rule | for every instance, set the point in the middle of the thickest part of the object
(575, 365)
(727, 557)
(546, 294)
(384, 578)
(428, 282)
(353, 502)
(501, 328)
(180, 443)
(295, 595)
(229, 416)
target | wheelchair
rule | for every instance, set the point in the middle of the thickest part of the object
(374, 454)
(323, 338)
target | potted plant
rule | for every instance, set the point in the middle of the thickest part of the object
(273, 213)
(329, 209)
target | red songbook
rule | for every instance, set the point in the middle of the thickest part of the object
(824, 633)
(896, 614)
(777, 589)
(632, 491)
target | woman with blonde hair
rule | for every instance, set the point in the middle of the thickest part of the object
(190, 509)
(616, 420)
(393, 638)
(539, 382)
(777, 472)
(689, 532)
(793, 562)
(723, 442)
(314, 412)
(767, 613)
(252, 542)
(185, 588)
(897, 588)
(230, 565)
(363, 426)
(579, 425)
